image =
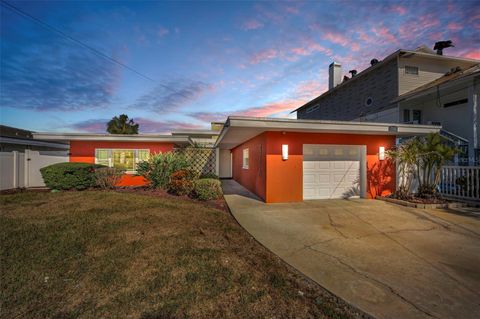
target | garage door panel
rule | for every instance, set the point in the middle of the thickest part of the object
(331, 171)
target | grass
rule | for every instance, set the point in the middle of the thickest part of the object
(99, 254)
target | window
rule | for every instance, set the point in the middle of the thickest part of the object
(245, 158)
(417, 116)
(313, 108)
(368, 101)
(413, 70)
(406, 116)
(125, 159)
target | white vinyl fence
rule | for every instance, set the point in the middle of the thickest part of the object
(19, 170)
(461, 182)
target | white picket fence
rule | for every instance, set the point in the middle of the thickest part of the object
(461, 182)
(19, 170)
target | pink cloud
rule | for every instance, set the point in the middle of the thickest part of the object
(336, 38)
(310, 89)
(269, 109)
(263, 56)
(453, 26)
(474, 54)
(252, 25)
(384, 33)
(398, 9)
(162, 32)
(309, 47)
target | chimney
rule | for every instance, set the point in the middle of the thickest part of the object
(334, 75)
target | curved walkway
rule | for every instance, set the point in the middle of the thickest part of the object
(387, 260)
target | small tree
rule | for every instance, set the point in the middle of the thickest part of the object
(406, 156)
(159, 167)
(434, 152)
(122, 125)
(421, 159)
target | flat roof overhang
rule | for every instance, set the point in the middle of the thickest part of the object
(61, 137)
(238, 129)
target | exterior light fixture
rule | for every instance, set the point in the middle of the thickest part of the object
(284, 152)
(381, 153)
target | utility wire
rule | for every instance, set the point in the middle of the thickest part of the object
(83, 44)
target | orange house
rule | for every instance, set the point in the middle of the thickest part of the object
(280, 160)
(291, 160)
(117, 150)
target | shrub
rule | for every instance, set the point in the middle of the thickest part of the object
(209, 175)
(108, 177)
(69, 175)
(207, 189)
(181, 182)
(159, 167)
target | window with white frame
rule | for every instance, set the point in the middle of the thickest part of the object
(124, 159)
(245, 158)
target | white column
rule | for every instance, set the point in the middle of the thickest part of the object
(473, 105)
(15, 169)
(217, 161)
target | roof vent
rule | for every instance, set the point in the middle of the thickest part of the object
(353, 72)
(440, 45)
(373, 62)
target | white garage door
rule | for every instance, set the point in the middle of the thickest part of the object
(331, 171)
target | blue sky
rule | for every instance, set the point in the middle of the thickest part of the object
(205, 59)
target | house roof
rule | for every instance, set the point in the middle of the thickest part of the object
(199, 133)
(239, 129)
(421, 51)
(17, 136)
(451, 77)
(113, 137)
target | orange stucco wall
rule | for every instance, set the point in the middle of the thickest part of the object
(253, 178)
(84, 151)
(284, 179)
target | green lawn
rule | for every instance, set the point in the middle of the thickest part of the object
(99, 254)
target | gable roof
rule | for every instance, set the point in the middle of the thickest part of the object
(420, 51)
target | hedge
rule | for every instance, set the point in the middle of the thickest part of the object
(70, 175)
(207, 189)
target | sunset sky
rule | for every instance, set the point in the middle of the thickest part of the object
(201, 61)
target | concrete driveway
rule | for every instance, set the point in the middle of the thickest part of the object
(389, 261)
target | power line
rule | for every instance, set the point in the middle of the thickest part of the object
(83, 44)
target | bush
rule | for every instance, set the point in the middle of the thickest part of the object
(209, 175)
(159, 167)
(70, 175)
(108, 177)
(181, 182)
(207, 189)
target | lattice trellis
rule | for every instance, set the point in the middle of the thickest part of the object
(203, 159)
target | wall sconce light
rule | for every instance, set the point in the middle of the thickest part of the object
(381, 153)
(284, 152)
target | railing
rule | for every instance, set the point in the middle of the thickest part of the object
(460, 182)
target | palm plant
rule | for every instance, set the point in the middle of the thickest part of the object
(421, 159)
(434, 153)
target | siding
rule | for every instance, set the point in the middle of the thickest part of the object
(428, 71)
(348, 102)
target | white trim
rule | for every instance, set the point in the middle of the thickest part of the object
(112, 137)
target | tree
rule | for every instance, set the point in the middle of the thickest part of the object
(421, 159)
(122, 125)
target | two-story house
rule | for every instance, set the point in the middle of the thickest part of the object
(407, 87)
